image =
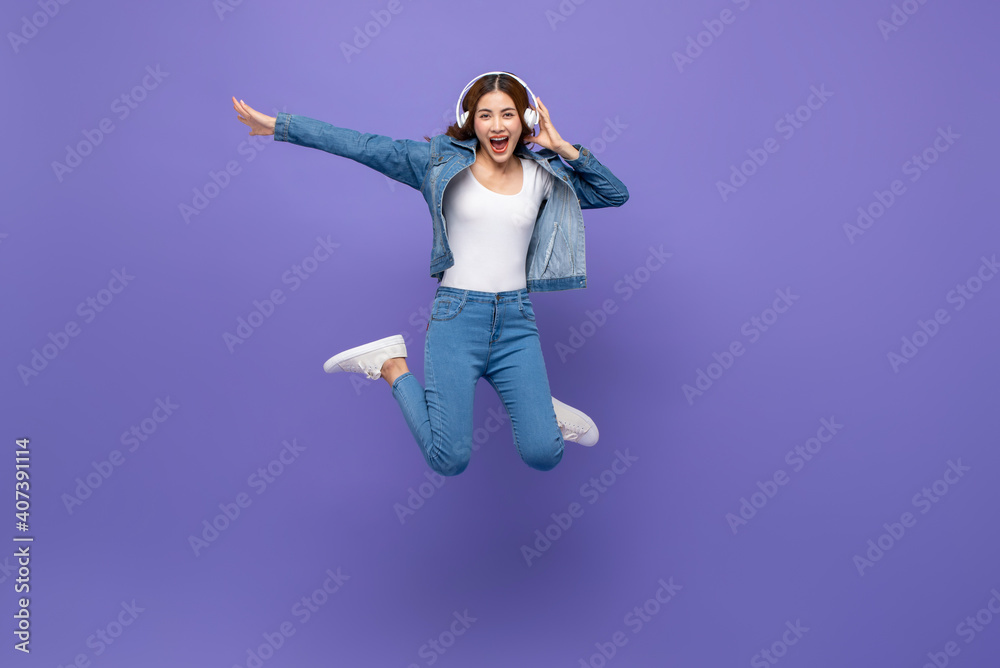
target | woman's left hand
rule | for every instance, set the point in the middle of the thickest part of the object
(547, 136)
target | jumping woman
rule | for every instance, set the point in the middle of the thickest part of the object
(507, 221)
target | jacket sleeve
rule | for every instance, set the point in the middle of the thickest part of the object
(403, 160)
(595, 185)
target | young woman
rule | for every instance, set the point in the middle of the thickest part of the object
(507, 221)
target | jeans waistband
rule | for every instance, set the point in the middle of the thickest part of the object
(488, 297)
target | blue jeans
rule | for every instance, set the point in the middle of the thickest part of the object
(471, 335)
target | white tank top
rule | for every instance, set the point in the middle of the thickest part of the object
(488, 233)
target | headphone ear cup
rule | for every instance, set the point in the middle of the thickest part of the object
(530, 117)
(463, 118)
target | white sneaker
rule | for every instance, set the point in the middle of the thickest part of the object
(369, 358)
(574, 425)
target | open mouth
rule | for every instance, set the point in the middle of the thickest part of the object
(499, 144)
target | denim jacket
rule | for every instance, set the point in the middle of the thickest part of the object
(555, 258)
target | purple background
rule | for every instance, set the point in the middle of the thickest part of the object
(679, 132)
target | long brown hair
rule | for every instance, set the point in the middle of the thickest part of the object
(483, 86)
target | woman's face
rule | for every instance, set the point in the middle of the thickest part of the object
(497, 117)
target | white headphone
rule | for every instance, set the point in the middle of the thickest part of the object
(530, 115)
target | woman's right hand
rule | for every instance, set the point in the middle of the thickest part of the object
(260, 124)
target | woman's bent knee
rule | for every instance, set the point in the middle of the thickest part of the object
(450, 465)
(544, 458)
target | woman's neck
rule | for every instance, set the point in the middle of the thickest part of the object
(490, 166)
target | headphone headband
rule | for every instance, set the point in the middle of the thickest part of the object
(530, 115)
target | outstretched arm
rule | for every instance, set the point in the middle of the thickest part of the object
(403, 160)
(594, 183)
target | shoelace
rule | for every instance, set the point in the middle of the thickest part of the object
(369, 369)
(575, 430)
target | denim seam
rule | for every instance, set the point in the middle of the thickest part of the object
(489, 352)
(503, 321)
(285, 122)
(407, 410)
(510, 418)
(432, 453)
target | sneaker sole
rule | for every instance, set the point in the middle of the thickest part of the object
(332, 365)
